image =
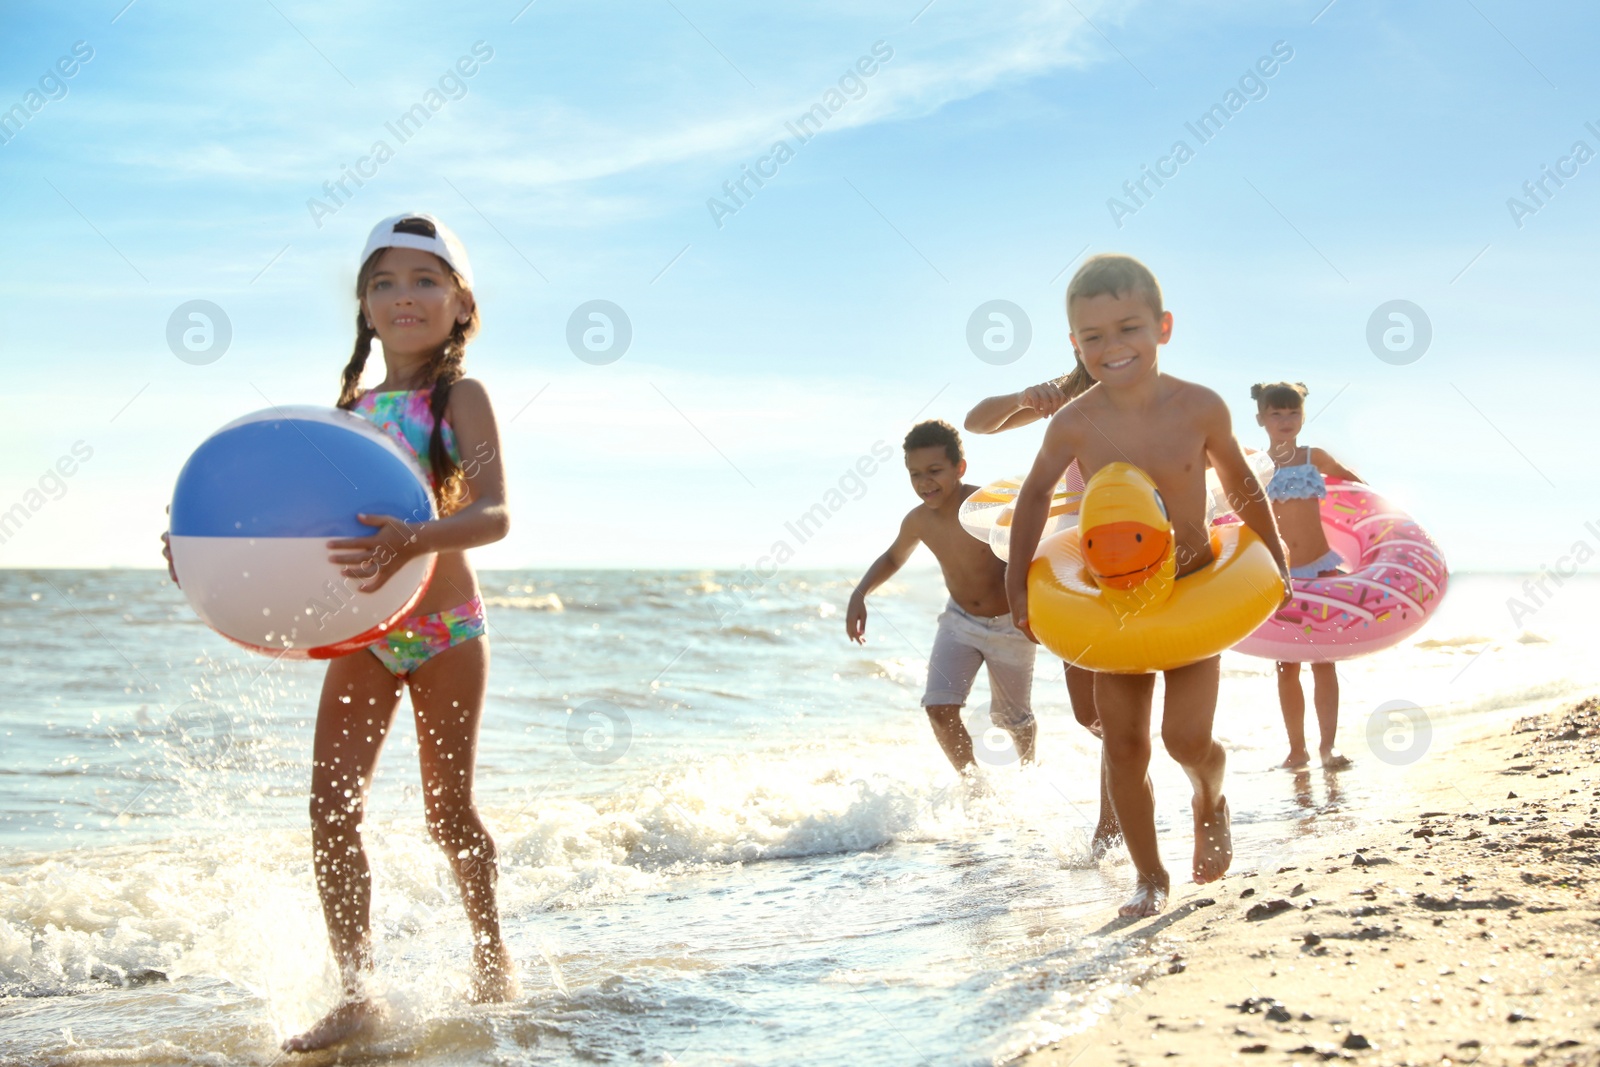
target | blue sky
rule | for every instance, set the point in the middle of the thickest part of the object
(769, 353)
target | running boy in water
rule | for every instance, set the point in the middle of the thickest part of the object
(975, 627)
(1169, 428)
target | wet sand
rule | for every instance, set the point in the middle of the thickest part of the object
(1463, 929)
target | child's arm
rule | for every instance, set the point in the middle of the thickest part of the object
(1030, 510)
(1239, 482)
(882, 569)
(482, 522)
(1332, 467)
(1009, 410)
(487, 519)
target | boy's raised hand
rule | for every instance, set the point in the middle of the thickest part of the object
(855, 619)
(1046, 398)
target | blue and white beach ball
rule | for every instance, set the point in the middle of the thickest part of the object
(251, 515)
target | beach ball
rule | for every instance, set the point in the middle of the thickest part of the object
(252, 512)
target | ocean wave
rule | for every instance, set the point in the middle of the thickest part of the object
(206, 907)
(771, 637)
(540, 602)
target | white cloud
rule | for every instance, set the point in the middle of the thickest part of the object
(265, 115)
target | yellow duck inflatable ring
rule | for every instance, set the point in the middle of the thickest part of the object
(1104, 594)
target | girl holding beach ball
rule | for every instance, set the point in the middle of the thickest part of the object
(415, 294)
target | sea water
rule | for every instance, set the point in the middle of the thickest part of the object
(726, 833)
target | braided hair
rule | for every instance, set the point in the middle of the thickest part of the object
(1287, 395)
(444, 369)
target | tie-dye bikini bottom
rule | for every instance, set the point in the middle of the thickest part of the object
(418, 638)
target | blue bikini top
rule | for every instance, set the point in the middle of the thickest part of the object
(1302, 481)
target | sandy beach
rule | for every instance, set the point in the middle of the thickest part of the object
(1464, 931)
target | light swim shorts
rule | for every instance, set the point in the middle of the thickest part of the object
(966, 640)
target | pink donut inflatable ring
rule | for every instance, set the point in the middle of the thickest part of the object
(1397, 579)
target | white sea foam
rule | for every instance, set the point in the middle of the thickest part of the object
(230, 908)
(781, 823)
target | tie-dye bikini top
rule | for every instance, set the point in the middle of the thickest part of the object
(1302, 481)
(404, 415)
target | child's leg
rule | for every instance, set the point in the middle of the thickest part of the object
(1024, 738)
(359, 698)
(1325, 689)
(1124, 703)
(1080, 691)
(447, 694)
(1010, 662)
(1186, 720)
(1016, 721)
(951, 733)
(952, 668)
(1293, 701)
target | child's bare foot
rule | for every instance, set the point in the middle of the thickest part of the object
(1334, 760)
(1213, 843)
(1297, 758)
(1150, 898)
(494, 976)
(977, 786)
(1105, 839)
(340, 1024)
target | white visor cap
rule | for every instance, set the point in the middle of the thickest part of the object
(446, 245)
